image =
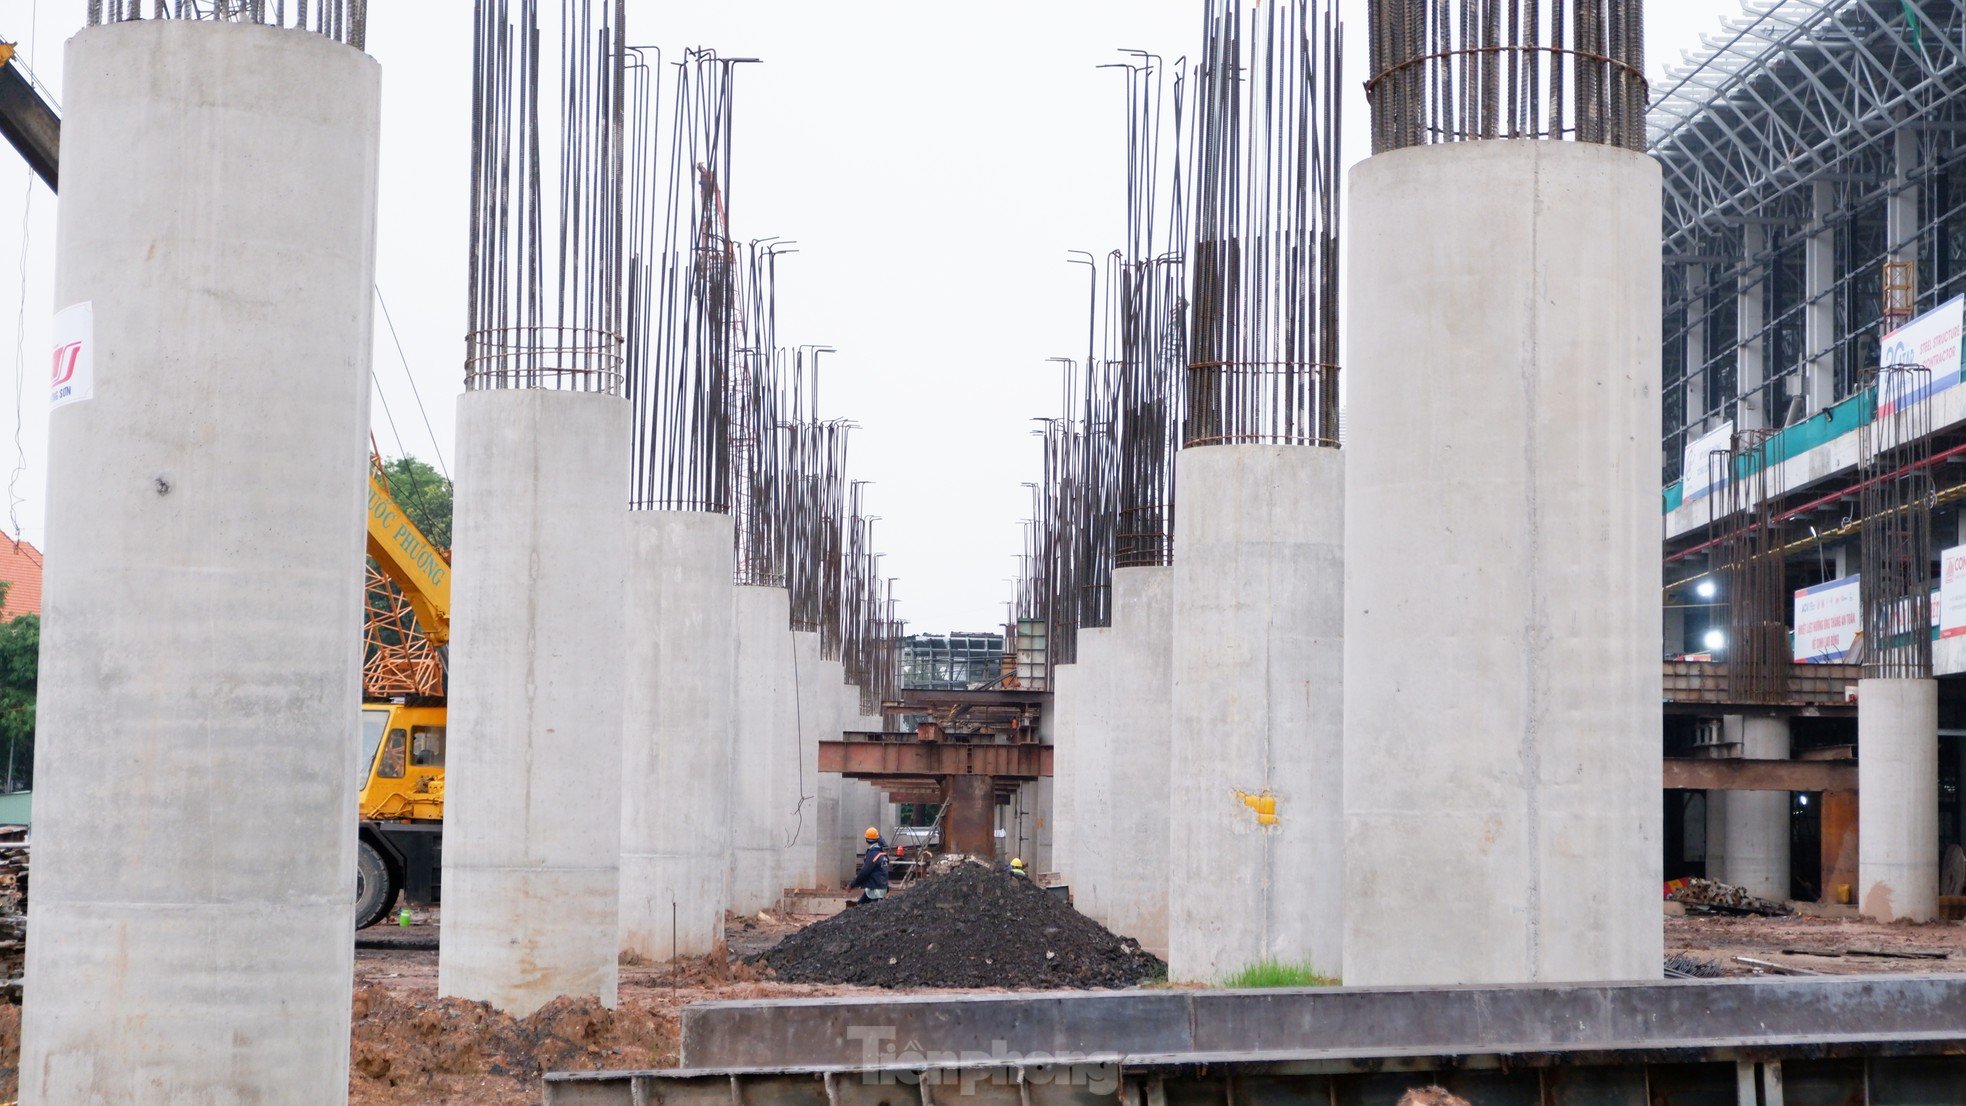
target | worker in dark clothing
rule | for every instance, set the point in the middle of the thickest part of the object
(872, 877)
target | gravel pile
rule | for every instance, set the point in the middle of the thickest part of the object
(971, 927)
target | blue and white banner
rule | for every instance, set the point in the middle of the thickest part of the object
(1931, 340)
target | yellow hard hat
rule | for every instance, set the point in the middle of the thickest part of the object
(872, 833)
(1016, 862)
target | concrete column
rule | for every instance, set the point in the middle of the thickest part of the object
(200, 679)
(675, 766)
(1092, 772)
(1142, 711)
(764, 734)
(1750, 345)
(1901, 206)
(1898, 792)
(1502, 687)
(1064, 772)
(1256, 707)
(1757, 822)
(1716, 835)
(532, 814)
(1819, 299)
(797, 781)
(1695, 350)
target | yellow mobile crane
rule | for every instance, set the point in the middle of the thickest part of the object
(400, 844)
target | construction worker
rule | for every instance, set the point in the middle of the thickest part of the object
(1017, 868)
(872, 877)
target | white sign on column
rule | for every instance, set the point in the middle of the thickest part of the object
(74, 374)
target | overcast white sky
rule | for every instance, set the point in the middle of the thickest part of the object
(934, 162)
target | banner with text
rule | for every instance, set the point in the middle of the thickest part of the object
(1931, 340)
(1827, 620)
(1700, 466)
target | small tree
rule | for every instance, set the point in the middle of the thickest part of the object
(425, 495)
(20, 657)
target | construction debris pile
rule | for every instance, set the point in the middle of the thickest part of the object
(971, 927)
(13, 911)
(1725, 898)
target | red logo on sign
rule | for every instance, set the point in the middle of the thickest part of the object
(67, 357)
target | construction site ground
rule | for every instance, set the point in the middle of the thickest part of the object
(1816, 945)
(412, 1047)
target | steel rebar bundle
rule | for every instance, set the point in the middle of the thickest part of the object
(345, 21)
(1895, 542)
(547, 196)
(1147, 307)
(1263, 187)
(683, 318)
(1455, 70)
(869, 632)
(1753, 570)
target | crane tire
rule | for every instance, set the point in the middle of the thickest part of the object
(375, 886)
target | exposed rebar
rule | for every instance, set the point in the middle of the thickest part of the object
(1446, 72)
(547, 211)
(1263, 314)
(1895, 543)
(345, 21)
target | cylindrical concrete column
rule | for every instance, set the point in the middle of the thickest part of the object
(1092, 770)
(189, 928)
(1502, 680)
(1255, 809)
(1062, 720)
(1757, 822)
(1142, 712)
(764, 734)
(532, 812)
(1898, 800)
(798, 770)
(675, 765)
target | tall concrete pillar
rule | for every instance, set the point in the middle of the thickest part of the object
(1064, 772)
(1898, 799)
(1502, 682)
(532, 812)
(1142, 712)
(1694, 351)
(1819, 299)
(1757, 822)
(1092, 770)
(675, 765)
(796, 781)
(764, 735)
(1257, 680)
(1750, 344)
(189, 927)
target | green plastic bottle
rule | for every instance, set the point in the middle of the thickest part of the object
(403, 918)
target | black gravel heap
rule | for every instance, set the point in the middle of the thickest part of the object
(970, 927)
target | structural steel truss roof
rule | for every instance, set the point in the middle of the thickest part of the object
(1788, 90)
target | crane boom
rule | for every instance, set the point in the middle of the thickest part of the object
(410, 561)
(27, 121)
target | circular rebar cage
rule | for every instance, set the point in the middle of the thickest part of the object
(1463, 70)
(553, 358)
(345, 21)
(1268, 403)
